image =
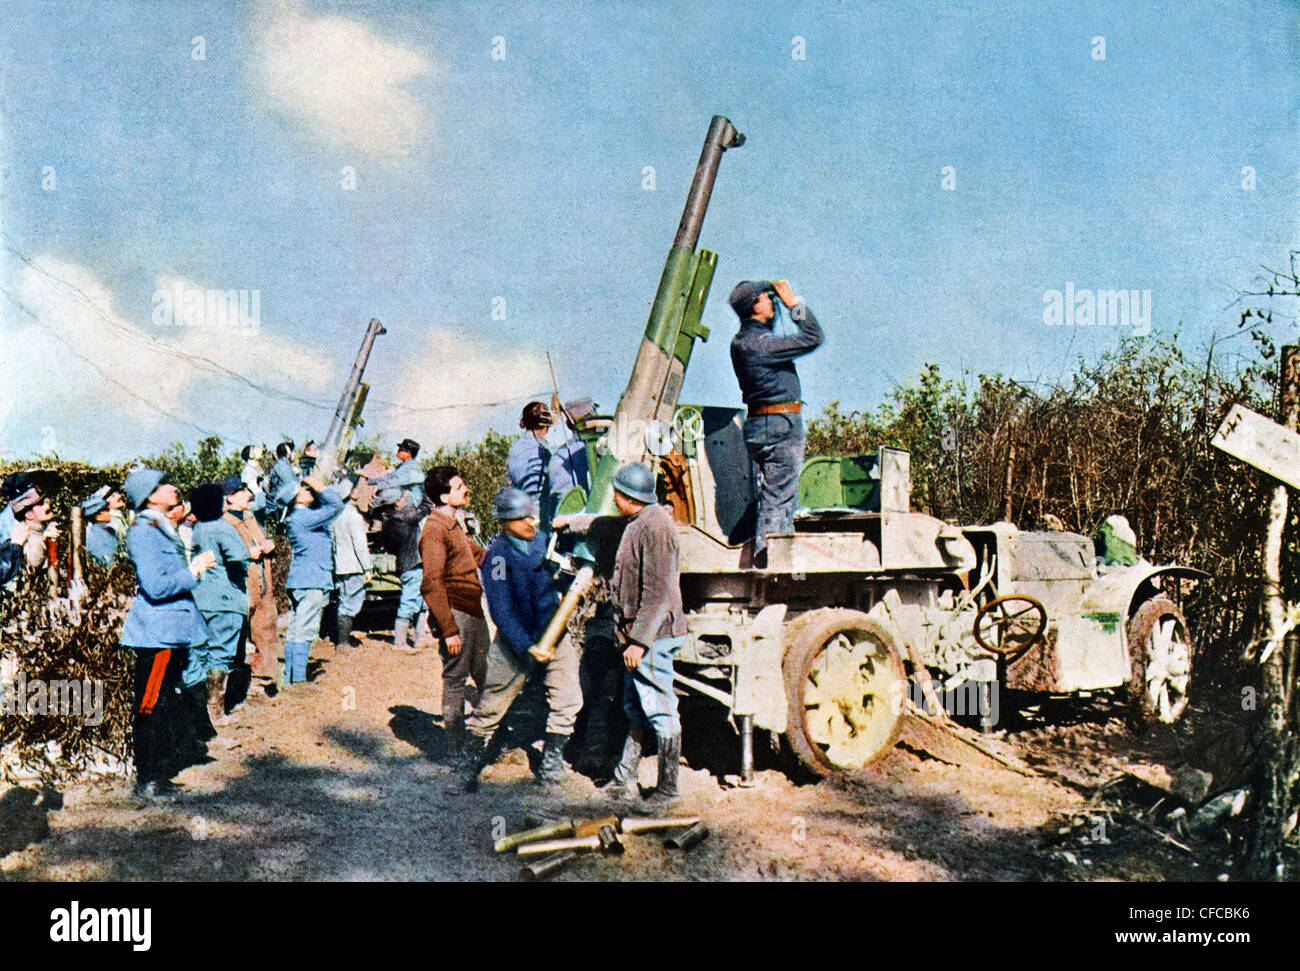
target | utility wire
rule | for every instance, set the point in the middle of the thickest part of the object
(107, 377)
(195, 360)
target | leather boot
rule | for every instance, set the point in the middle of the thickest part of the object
(550, 772)
(194, 704)
(216, 692)
(623, 787)
(472, 761)
(665, 795)
(343, 638)
(400, 631)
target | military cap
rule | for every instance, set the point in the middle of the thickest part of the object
(96, 502)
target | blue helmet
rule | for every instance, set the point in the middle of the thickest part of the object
(511, 503)
(636, 481)
(140, 485)
(96, 503)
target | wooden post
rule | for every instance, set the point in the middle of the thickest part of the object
(1011, 465)
(1277, 748)
(76, 545)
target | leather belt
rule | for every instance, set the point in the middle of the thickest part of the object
(775, 408)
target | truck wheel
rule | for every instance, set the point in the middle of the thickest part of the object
(845, 685)
(1160, 659)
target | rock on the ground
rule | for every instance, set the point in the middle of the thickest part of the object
(22, 819)
(1192, 785)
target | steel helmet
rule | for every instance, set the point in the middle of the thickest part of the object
(510, 503)
(636, 481)
(140, 485)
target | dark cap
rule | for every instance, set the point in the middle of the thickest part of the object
(232, 484)
(15, 484)
(408, 445)
(744, 294)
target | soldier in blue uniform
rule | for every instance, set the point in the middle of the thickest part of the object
(769, 386)
(277, 498)
(103, 539)
(407, 476)
(311, 574)
(222, 597)
(528, 464)
(161, 626)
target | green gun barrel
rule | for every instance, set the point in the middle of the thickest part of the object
(650, 398)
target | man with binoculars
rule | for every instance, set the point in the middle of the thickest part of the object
(769, 386)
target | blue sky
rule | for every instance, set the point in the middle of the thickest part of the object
(521, 178)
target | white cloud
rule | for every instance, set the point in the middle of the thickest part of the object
(339, 79)
(277, 361)
(453, 374)
(83, 368)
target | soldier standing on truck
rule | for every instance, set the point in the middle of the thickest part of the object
(769, 386)
(407, 476)
(528, 464)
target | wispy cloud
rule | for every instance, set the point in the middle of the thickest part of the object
(457, 384)
(339, 80)
(74, 362)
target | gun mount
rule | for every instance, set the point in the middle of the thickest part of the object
(865, 599)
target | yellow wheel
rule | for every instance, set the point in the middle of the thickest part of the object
(845, 685)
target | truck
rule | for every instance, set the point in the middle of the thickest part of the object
(867, 604)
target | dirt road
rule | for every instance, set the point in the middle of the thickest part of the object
(341, 779)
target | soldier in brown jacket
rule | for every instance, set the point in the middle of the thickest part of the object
(652, 624)
(454, 595)
(262, 612)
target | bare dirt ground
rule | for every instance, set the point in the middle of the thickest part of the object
(341, 779)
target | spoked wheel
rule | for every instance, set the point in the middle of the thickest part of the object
(1160, 659)
(1010, 624)
(845, 685)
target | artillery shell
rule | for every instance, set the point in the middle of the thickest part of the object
(547, 831)
(540, 817)
(595, 825)
(550, 846)
(645, 824)
(688, 839)
(546, 867)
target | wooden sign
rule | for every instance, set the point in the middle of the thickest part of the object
(1257, 441)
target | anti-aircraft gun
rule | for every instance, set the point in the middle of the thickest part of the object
(832, 641)
(347, 415)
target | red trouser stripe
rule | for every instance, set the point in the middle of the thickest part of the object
(161, 658)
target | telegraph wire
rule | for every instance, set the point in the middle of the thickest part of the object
(107, 377)
(207, 365)
(195, 360)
